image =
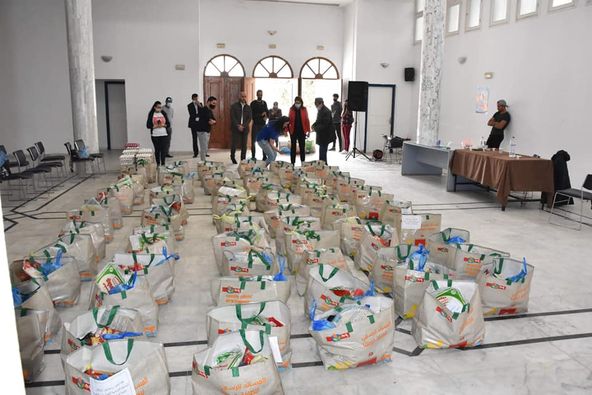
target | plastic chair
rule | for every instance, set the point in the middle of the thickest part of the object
(584, 193)
(37, 162)
(75, 158)
(79, 144)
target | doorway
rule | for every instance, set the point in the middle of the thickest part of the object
(226, 90)
(111, 113)
(379, 120)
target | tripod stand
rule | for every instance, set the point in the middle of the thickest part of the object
(355, 150)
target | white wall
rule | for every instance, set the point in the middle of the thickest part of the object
(542, 66)
(385, 35)
(243, 26)
(146, 39)
(34, 81)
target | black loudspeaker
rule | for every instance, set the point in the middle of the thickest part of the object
(409, 74)
(357, 96)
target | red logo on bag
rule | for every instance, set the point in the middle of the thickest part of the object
(338, 337)
(329, 301)
(419, 241)
(442, 249)
(414, 279)
(387, 268)
(222, 331)
(373, 215)
(469, 259)
(239, 269)
(228, 243)
(496, 286)
(443, 313)
(231, 290)
(73, 345)
(312, 261)
(80, 383)
(511, 310)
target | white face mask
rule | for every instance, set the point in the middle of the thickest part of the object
(297, 105)
(168, 104)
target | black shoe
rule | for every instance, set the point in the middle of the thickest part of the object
(207, 155)
(194, 155)
(169, 156)
(332, 149)
(233, 161)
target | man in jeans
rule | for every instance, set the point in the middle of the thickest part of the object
(170, 112)
(324, 128)
(260, 112)
(204, 125)
(268, 135)
(240, 122)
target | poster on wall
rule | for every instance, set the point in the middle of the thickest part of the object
(481, 100)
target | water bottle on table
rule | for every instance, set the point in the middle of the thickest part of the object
(513, 147)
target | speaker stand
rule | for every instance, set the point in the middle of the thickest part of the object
(355, 150)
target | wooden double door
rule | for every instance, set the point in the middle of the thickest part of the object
(227, 91)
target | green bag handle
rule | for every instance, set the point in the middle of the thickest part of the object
(109, 356)
(110, 318)
(249, 346)
(250, 259)
(333, 272)
(398, 249)
(248, 321)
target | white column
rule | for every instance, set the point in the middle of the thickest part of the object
(432, 50)
(82, 72)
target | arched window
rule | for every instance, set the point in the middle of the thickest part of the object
(272, 67)
(224, 66)
(319, 69)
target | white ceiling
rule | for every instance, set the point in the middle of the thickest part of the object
(327, 2)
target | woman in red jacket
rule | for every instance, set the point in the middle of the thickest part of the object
(299, 128)
(347, 120)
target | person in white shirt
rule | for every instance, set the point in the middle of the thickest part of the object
(158, 123)
(170, 112)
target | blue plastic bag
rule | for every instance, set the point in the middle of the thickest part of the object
(83, 153)
(520, 276)
(281, 276)
(49, 267)
(126, 286)
(421, 254)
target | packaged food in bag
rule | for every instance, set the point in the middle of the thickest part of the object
(246, 165)
(138, 188)
(504, 286)
(241, 290)
(162, 214)
(412, 278)
(237, 362)
(318, 201)
(174, 202)
(138, 363)
(345, 187)
(31, 332)
(123, 191)
(272, 317)
(268, 200)
(113, 288)
(30, 296)
(290, 224)
(99, 325)
(450, 316)
(328, 256)
(157, 268)
(253, 262)
(239, 222)
(95, 231)
(415, 228)
(439, 245)
(298, 242)
(56, 271)
(375, 236)
(273, 217)
(238, 241)
(149, 242)
(329, 287)
(354, 335)
(334, 212)
(80, 247)
(467, 259)
(221, 204)
(108, 201)
(392, 207)
(384, 267)
(351, 230)
(94, 212)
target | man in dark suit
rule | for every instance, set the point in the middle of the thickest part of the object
(260, 113)
(240, 123)
(193, 109)
(324, 128)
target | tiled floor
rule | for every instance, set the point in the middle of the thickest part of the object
(548, 350)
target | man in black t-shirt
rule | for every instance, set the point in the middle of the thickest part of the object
(499, 122)
(260, 112)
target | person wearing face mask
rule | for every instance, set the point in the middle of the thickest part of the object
(336, 114)
(260, 113)
(168, 110)
(204, 126)
(193, 109)
(275, 113)
(323, 126)
(299, 127)
(240, 122)
(158, 123)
